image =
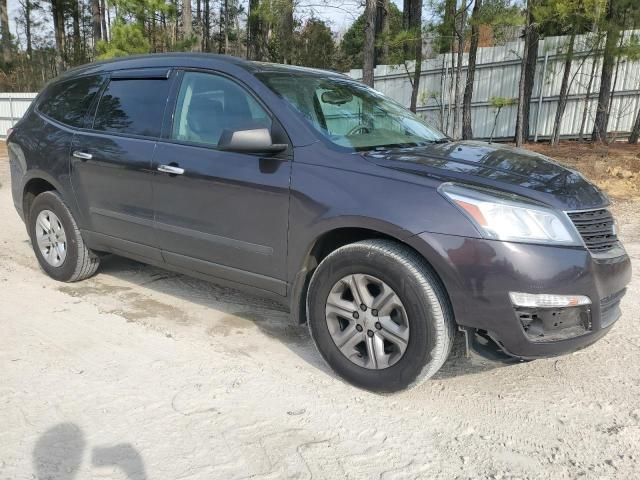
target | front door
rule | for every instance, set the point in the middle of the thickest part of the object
(220, 213)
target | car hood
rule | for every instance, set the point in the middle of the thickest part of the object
(496, 166)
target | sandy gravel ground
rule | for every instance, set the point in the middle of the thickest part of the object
(139, 373)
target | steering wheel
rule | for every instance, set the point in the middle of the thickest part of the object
(361, 127)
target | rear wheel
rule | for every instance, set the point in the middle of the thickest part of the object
(379, 315)
(57, 242)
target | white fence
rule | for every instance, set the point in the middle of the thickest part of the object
(12, 107)
(497, 75)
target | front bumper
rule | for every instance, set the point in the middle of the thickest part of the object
(480, 273)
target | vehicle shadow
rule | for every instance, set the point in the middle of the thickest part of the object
(59, 453)
(242, 310)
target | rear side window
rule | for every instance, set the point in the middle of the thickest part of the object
(68, 102)
(133, 106)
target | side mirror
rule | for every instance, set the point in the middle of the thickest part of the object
(257, 140)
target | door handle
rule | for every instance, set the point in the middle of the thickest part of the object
(170, 169)
(82, 155)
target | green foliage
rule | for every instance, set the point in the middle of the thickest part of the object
(501, 102)
(314, 45)
(501, 15)
(401, 46)
(143, 10)
(631, 48)
(126, 39)
(352, 45)
(560, 17)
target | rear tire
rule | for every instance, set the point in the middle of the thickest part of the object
(389, 356)
(57, 242)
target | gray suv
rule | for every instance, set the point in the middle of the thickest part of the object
(375, 229)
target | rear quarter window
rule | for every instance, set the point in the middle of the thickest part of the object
(132, 106)
(68, 102)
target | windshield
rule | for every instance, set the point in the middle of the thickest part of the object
(349, 113)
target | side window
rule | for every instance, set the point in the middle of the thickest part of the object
(208, 104)
(134, 106)
(68, 102)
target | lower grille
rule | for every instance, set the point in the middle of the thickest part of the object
(596, 228)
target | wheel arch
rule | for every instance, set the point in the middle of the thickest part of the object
(32, 188)
(332, 239)
(37, 182)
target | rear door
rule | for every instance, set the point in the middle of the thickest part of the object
(111, 160)
(225, 214)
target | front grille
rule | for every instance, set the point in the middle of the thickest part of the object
(596, 228)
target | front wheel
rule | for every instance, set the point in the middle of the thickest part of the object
(379, 315)
(57, 242)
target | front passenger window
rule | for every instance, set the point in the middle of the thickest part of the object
(208, 104)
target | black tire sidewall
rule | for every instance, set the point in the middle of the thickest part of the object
(403, 281)
(51, 201)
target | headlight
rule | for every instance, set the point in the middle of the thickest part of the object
(503, 216)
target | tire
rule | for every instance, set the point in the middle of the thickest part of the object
(78, 262)
(424, 321)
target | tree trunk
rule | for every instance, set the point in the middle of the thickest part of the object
(206, 33)
(253, 31)
(57, 7)
(27, 27)
(564, 91)
(460, 22)
(77, 43)
(186, 20)
(238, 39)
(413, 18)
(6, 34)
(613, 90)
(369, 42)
(382, 32)
(635, 131)
(385, 31)
(530, 75)
(220, 14)
(97, 22)
(103, 20)
(198, 26)
(107, 13)
(285, 33)
(523, 75)
(448, 26)
(585, 110)
(467, 130)
(599, 133)
(226, 27)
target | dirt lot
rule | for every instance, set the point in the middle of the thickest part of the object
(139, 373)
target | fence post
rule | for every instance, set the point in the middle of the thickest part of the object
(11, 111)
(544, 71)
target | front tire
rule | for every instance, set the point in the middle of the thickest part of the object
(57, 242)
(379, 315)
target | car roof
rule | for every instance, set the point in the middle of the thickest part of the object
(203, 60)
